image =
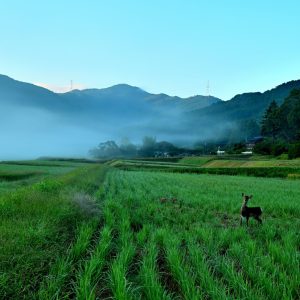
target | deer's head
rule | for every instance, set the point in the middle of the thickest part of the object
(246, 198)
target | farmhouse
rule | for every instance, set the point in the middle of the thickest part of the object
(161, 154)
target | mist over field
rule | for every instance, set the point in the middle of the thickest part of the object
(36, 122)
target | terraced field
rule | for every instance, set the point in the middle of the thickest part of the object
(257, 168)
(238, 162)
(150, 235)
(252, 164)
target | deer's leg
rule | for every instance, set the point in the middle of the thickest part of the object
(247, 221)
(241, 220)
(258, 219)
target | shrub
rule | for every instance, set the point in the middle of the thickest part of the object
(278, 148)
(268, 147)
(294, 150)
(264, 147)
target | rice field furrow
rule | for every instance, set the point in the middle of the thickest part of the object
(55, 283)
(120, 286)
(152, 288)
(210, 286)
(180, 270)
(91, 270)
(256, 275)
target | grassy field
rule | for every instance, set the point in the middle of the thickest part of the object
(99, 232)
(39, 219)
(14, 175)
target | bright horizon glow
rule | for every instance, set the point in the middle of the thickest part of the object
(171, 47)
(61, 88)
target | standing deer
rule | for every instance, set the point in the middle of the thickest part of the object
(247, 212)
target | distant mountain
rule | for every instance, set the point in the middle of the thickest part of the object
(121, 96)
(25, 94)
(37, 122)
(224, 120)
(247, 105)
(182, 104)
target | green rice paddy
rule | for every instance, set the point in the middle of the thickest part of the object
(97, 231)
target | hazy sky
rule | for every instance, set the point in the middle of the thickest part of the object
(170, 46)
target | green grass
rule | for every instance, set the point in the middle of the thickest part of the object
(197, 161)
(53, 285)
(90, 273)
(152, 287)
(205, 253)
(37, 225)
(51, 162)
(16, 175)
(93, 234)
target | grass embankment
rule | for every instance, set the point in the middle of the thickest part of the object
(50, 162)
(217, 167)
(39, 222)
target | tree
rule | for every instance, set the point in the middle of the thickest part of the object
(294, 150)
(290, 115)
(250, 129)
(127, 148)
(164, 146)
(149, 146)
(270, 125)
(108, 149)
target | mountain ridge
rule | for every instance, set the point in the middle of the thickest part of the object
(244, 101)
(79, 119)
(115, 91)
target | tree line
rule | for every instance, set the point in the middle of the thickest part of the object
(280, 126)
(150, 147)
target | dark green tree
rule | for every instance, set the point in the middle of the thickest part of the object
(270, 125)
(108, 149)
(149, 146)
(290, 117)
(164, 146)
(127, 148)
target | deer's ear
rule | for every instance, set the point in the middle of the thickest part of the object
(243, 194)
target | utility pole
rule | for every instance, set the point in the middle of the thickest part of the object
(208, 89)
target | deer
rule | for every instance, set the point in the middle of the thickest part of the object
(247, 212)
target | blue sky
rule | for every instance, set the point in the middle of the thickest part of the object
(170, 46)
